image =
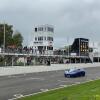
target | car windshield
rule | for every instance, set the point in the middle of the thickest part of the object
(70, 70)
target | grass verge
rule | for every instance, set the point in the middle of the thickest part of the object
(84, 91)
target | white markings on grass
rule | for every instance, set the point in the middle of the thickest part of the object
(18, 95)
(44, 90)
(77, 82)
(63, 85)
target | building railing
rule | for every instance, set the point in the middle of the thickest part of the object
(32, 52)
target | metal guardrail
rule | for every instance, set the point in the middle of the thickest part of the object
(40, 55)
(96, 54)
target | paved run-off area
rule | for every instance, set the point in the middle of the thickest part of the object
(11, 70)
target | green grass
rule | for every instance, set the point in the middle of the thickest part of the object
(85, 91)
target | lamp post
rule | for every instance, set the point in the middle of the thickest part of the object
(4, 32)
(68, 51)
(68, 45)
(93, 53)
(4, 39)
(79, 47)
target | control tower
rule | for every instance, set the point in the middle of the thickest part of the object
(43, 39)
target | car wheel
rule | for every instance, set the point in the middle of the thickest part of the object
(83, 74)
(65, 75)
(68, 76)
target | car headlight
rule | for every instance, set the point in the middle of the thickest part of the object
(66, 72)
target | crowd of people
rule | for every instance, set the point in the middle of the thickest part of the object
(30, 50)
(24, 49)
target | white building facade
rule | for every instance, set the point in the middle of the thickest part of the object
(43, 39)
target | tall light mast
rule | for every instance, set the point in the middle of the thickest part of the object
(4, 38)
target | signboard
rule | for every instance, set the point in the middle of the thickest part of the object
(73, 54)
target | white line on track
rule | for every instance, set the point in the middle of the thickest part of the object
(32, 78)
(52, 76)
(62, 81)
(24, 74)
(11, 76)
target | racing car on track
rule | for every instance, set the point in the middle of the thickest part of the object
(74, 72)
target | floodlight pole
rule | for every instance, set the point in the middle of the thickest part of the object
(68, 45)
(79, 47)
(4, 39)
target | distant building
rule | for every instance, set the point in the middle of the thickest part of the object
(43, 39)
(80, 46)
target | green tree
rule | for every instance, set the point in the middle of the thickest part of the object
(8, 34)
(10, 38)
(17, 39)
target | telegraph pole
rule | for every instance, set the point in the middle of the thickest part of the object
(68, 45)
(4, 38)
(69, 59)
(4, 42)
(79, 47)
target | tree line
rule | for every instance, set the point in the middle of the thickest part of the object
(12, 39)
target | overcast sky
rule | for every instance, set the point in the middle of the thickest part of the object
(71, 18)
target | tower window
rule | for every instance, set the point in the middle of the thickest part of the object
(44, 38)
(35, 38)
(35, 29)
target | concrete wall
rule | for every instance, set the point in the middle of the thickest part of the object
(32, 69)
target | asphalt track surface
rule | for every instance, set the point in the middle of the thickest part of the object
(24, 84)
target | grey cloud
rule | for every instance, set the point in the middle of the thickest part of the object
(71, 18)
